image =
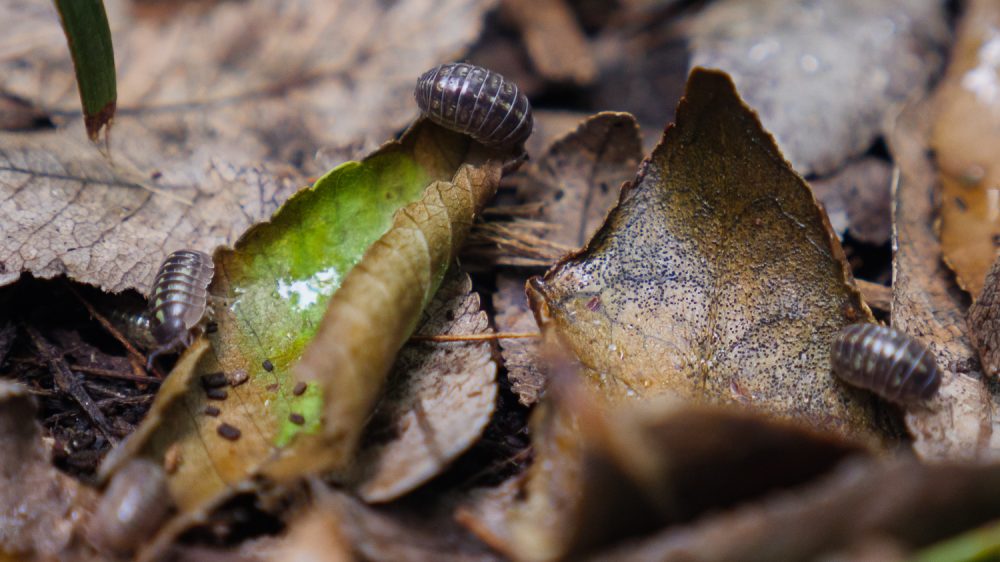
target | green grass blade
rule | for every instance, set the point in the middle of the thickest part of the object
(86, 25)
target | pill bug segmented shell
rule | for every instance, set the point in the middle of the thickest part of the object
(475, 101)
(886, 362)
(132, 508)
(179, 296)
(135, 325)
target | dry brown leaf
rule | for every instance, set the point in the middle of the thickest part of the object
(376, 308)
(551, 126)
(374, 534)
(601, 475)
(984, 323)
(823, 97)
(557, 46)
(959, 424)
(440, 398)
(577, 182)
(902, 499)
(40, 507)
(717, 278)
(857, 199)
(876, 295)
(966, 139)
(221, 108)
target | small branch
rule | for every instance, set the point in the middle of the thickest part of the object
(68, 382)
(476, 337)
(139, 357)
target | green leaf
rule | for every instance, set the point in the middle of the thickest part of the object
(271, 290)
(86, 26)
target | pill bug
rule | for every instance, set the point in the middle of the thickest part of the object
(475, 101)
(131, 509)
(886, 362)
(179, 298)
(134, 323)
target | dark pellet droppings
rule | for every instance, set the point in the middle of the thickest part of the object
(268, 366)
(217, 394)
(272, 387)
(300, 388)
(227, 431)
(212, 411)
(211, 327)
(297, 419)
(214, 380)
(238, 377)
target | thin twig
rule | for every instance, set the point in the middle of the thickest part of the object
(68, 382)
(135, 353)
(476, 337)
(96, 371)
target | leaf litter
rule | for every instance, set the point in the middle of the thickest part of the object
(271, 424)
(217, 125)
(717, 278)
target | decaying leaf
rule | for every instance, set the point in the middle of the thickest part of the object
(441, 397)
(557, 46)
(376, 308)
(966, 139)
(717, 278)
(577, 182)
(823, 97)
(601, 475)
(857, 200)
(273, 289)
(40, 507)
(984, 323)
(903, 501)
(346, 526)
(959, 423)
(221, 109)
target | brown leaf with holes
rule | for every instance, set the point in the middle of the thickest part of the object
(40, 507)
(717, 278)
(960, 422)
(602, 473)
(984, 323)
(822, 97)
(966, 139)
(222, 108)
(441, 395)
(577, 182)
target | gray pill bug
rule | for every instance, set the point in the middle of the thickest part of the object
(887, 362)
(132, 508)
(475, 101)
(178, 299)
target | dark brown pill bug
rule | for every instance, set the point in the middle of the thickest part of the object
(179, 298)
(132, 508)
(227, 431)
(135, 324)
(885, 361)
(475, 101)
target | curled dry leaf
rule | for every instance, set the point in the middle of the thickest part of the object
(926, 503)
(221, 110)
(984, 322)
(822, 97)
(959, 423)
(717, 278)
(376, 308)
(40, 507)
(441, 397)
(966, 139)
(272, 290)
(577, 181)
(600, 475)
